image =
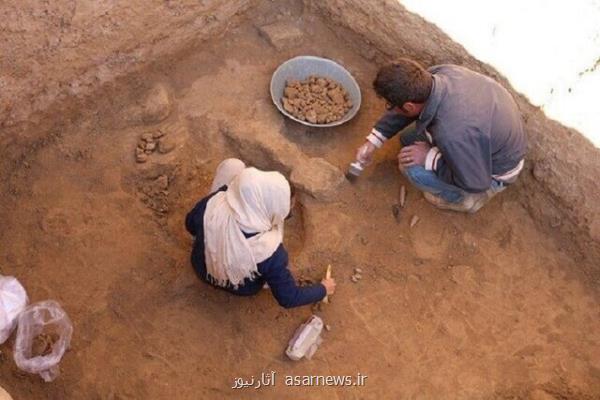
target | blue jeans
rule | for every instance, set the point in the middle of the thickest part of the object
(428, 181)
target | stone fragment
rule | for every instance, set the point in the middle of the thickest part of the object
(157, 105)
(290, 92)
(141, 158)
(287, 105)
(316, 89)
(146, 136)
(414, 220)
(158, 134)
(311, 116)
(166, 145)
(336, 96)
(151, 146)
(318, 178)
(282, 35)
(358, 270)
(327, 327)
(402, 196)
(260, 142)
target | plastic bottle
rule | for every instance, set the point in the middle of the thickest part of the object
(355, 170)
(306, 339)
(364, 157)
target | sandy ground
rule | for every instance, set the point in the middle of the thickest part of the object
(459, 307)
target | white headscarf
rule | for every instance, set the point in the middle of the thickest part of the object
(255, 202)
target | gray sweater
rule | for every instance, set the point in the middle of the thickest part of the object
(474, 126)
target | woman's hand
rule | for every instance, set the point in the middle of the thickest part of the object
(329, 285)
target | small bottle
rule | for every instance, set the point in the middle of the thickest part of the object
(306, 340)
(355, 170)
(364, 157)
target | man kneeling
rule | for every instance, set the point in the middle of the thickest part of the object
(468, 143)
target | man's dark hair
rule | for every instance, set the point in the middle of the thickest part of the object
(403, 80)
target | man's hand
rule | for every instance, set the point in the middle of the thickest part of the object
(414, 154)
(365, 153)
(329, 284)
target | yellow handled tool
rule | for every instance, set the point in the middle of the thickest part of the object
(327, 276)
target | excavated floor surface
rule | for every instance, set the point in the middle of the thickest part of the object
(472, 307)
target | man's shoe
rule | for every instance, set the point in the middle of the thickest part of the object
(465, 206)
(480, 199)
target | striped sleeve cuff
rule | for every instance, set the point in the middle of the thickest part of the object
(431, 160)
(376, 138)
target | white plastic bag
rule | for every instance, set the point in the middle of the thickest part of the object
(13, 300)
(43, 336)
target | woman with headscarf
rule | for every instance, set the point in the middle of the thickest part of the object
(239, 234)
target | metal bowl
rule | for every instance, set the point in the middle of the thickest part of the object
(300, 68)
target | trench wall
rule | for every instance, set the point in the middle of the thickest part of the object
(52, 50)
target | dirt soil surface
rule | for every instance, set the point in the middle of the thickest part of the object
(484, 306)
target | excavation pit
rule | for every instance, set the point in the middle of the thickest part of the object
(501, 304)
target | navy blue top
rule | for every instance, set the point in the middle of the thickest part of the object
(274, 270)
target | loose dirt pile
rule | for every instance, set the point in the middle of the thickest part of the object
(150, 142)
(317, 100)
